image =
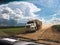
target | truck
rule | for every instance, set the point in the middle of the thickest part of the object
(33, 25)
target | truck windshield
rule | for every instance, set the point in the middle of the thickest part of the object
(30, 22)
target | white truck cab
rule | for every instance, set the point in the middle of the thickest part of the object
(30, 26)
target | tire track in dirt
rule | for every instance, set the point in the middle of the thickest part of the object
(46, 33)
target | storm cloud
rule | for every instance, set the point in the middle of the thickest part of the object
(18, 11)
(7, 1)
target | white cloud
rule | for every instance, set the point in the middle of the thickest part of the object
(18, 11)
(23, 11)
(54, 21)
(5, 16)
(46, 3)
(55, 17)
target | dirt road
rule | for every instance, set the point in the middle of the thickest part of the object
(44, 35)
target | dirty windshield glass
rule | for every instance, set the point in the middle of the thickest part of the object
(30, 22)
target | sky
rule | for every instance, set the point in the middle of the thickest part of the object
(48, 11)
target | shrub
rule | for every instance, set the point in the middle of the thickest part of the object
(56, 27)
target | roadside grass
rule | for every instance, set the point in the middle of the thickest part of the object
(2, 34)
(56, 27)
(12, 31)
